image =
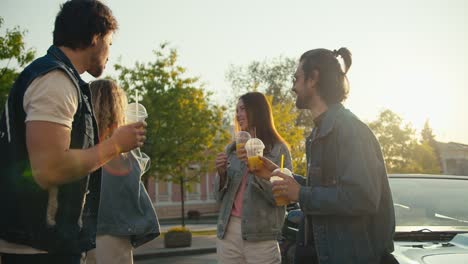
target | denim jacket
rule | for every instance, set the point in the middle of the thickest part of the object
(347, 199)
(261, 218)
(125, 207)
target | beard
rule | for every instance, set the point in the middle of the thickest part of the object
(97, 65)
(96, 70)
(303, 102)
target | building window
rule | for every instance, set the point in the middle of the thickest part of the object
(193, 191)
(163, 192)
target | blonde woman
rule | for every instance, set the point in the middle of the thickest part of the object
(126, 217)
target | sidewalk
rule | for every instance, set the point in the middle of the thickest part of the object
(201, 244)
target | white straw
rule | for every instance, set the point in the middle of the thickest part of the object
(136, 104)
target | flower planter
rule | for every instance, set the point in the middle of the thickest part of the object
(178, 239)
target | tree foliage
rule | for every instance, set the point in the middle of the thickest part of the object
(270, 77)
(13, 57)
(285, 118)
(401, 150)
(396, 139)
(184, 127)
(430, 163)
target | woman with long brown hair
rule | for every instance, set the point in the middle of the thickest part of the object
(126, 217)
(249, 221)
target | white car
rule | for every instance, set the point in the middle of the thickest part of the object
(431, 213)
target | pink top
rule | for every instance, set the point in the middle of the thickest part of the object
(237, 206)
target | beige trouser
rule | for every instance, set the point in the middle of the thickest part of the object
(111, 250)
(232, 249)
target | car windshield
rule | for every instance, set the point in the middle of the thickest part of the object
(430, 202)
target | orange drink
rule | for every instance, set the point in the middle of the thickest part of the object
(255, 162)
(241, 138)
(281, 199)
(239, 146)
(254, 149)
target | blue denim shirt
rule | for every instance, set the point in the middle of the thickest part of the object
(347, 199)
(261, 218)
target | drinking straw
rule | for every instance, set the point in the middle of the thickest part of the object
(136, 104)
(282, 162)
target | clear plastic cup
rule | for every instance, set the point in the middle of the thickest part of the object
(135, 112)
(282, 199)
(254, 148)
(241, 138)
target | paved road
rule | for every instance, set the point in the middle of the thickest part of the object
(192, 259)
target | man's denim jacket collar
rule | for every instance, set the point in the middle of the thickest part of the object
(58, 53)
(328, 120)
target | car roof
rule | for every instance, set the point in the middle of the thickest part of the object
(428, 176)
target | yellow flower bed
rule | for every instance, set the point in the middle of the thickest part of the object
(178, 229)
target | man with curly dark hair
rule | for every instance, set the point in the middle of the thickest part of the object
(50, 156)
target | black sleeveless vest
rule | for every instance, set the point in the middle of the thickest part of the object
(25, 208)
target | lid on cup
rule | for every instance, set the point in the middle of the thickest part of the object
(135, 112)
(254, 147)
(284, 171)
(242, 136)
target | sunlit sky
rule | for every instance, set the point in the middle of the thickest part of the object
(408, 56)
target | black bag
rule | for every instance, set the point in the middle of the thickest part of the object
(305, 255)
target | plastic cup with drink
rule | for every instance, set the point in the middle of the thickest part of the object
(241, 138)
(254, 148)
(281, 199)
(137, 112)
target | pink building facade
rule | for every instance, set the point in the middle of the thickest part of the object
(167, 200)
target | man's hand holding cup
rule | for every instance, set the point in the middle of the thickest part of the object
(265, 170)
(287, 186)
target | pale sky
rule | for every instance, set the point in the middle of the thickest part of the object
(408, 56)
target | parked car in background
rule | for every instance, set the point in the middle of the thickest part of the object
(431, 214)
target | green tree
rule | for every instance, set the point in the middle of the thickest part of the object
(401, 150)
(273, 78)
(431, 162)
(427, 135)
(396, 139)
(284, 117)
(424, 160)
(184, 127)
(13, 56)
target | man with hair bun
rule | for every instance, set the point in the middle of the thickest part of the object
(345, 196)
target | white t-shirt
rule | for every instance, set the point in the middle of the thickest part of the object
(51, 97)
